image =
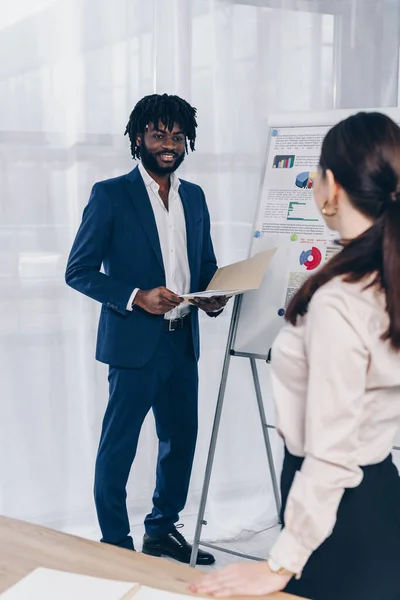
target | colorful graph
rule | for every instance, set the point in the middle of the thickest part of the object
(305, 180)
(301, 211)
(311, 259)
(284, 162)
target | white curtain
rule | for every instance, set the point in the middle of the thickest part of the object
(70, 73)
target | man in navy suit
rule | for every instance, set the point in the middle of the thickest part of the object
(151, 233)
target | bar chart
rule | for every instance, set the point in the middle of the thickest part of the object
(283, 162)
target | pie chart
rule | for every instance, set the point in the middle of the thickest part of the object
(311, 259)
(305, 180)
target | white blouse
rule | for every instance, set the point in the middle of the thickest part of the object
(337, 393)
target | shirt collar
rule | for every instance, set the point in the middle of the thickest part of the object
(149, 181)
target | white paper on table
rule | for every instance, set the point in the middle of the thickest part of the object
(237, 278)
(146, 593)
(48, 584)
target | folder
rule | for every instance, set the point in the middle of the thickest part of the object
(237, 278)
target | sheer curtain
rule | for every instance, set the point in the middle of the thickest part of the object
(71, 72)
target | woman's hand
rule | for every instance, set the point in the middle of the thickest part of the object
(241, 580)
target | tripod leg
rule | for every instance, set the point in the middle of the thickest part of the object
(210, 460)
(214, 435)
(267, 441)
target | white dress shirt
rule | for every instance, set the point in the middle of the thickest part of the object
(171, 227)
(336, 386)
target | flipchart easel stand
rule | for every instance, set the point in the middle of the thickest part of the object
(229, 352)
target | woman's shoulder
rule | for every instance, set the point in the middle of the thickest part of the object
(359, 300)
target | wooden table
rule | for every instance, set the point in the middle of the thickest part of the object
(24, 547)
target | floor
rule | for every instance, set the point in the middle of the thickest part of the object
(250, 543)
(253, 544)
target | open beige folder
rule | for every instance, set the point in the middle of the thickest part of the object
(237, 278)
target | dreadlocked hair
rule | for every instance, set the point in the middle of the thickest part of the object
(167, 109)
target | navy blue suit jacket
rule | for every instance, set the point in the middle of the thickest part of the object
(119, 231)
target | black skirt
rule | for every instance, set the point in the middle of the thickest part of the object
(360, 560)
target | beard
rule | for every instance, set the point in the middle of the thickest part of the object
(149, 160)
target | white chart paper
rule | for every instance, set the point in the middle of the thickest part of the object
(48, 584)
(288, 219)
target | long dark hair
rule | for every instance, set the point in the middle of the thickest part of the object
(363, 153)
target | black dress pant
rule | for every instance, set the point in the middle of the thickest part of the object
(168, 386)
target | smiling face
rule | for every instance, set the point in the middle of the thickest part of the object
(162, 151)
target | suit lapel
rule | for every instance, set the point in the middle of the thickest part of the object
(190, 218)
(141, 202)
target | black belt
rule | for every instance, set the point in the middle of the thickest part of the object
(174, 324)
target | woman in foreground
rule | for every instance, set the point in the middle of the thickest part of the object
(336, 381)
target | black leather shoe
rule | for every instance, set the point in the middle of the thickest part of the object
(175, 546)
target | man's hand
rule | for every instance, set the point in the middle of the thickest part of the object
(157, 301)
(210, 305)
